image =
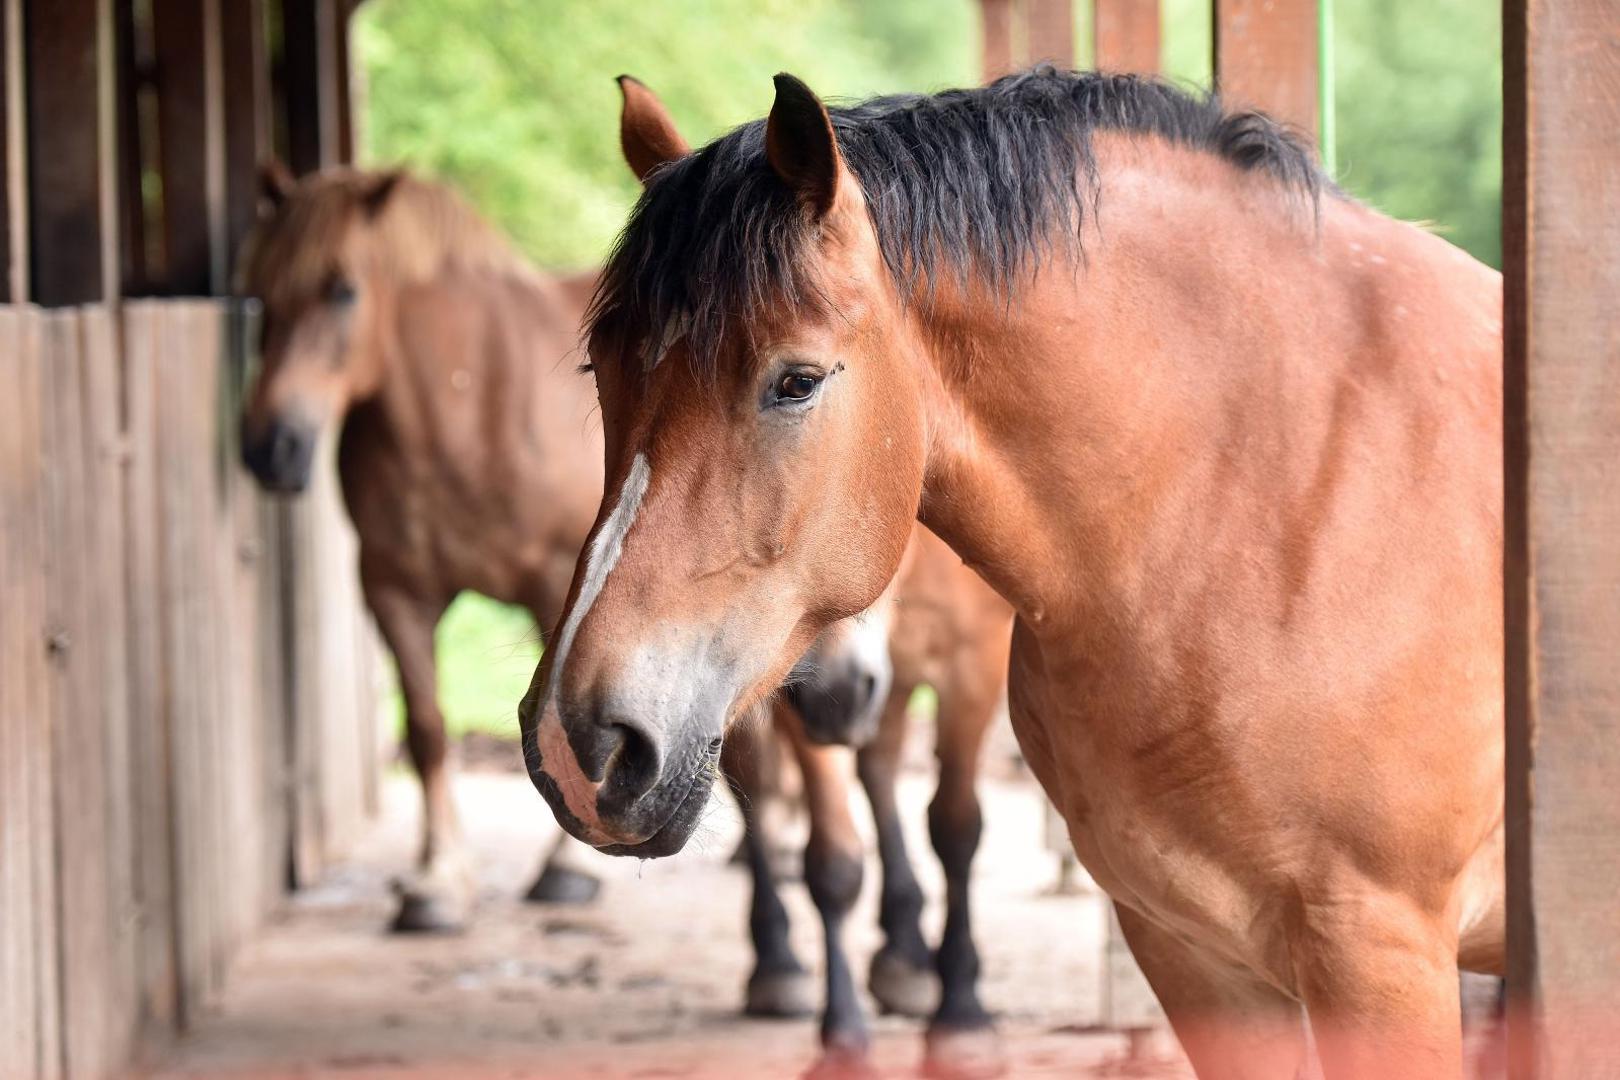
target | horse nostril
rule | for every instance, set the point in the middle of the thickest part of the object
(865, 691)
(632, 767)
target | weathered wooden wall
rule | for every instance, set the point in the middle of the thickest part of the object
(186, 723)
(154, 767)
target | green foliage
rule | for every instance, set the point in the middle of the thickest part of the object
(1419, 89)
(487, 653)
(514, 100)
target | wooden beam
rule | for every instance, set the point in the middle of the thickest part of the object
(314, 83)
(1561, 243)
(186, 35)
(12, 193)
(1126, 35)
(996, 19)
(1050, 32)
(68, 79)
(1265, 58)
(246, 117)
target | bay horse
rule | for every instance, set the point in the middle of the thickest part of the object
(469, 456)
(1227, 440)
(950, 631)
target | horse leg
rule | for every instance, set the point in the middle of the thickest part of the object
(833, 867)
(1232, 1026)
(961, 1039)
(901, 977)
(566, 877)
(1380, 983)
(779, 985)
(439, 896)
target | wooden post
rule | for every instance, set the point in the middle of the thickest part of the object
(73, 238)
(315, 83)
(1265, 58)
(246, 118)
(1051, 32)
(13, 190)
(997, 22)
(1126, 33)
(191, 84)
(1561, 244)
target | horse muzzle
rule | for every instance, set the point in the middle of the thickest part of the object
(281, 458)
(615, 784)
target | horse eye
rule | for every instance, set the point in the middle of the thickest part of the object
(339, 292)
(797, 386)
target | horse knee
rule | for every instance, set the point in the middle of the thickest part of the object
(954, 826)
(833, 876)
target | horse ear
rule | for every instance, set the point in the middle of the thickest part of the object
(646, 130)
(801, 146)
(375, 197)
(276, 181)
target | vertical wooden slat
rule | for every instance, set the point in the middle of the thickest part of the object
(190, 84)
(14, 283)
(1265, 58)
(105, 593)
(996, 21)
(313, 83)
(79, 759)
(6, 65)
(72, 239)
(1126, 35)
(1561, 243)
(246, 108)
(150, 718)
(1050, 32)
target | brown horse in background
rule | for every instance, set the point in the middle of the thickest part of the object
(951, 632)
(469, 455)
(1229, 443)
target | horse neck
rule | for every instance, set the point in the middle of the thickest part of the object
(1063, 421)
(502, 337)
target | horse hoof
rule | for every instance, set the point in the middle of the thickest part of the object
(560, 885)
(842, 1063)
(781, 995)
(424, 913)
(963, 1053)
(903, 988)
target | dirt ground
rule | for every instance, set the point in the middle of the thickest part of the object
(647, 982)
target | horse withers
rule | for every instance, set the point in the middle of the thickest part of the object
(1227, 440)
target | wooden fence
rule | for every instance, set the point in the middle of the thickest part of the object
(186, 719)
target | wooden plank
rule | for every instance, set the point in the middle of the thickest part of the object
(21, 659)
(1126, 35)
(68, 55)
(312, 83)
(150, 716)
(1561, 235)
(79, 761)
(104, 455)
(14, 281)
(1050, 30)
(191, 85)
(1000, 55)
(1265, 58)
(246, 106)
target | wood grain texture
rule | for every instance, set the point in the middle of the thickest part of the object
(1265, 58)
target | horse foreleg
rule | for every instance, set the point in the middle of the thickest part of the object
(961, 1041)
(833, 868)
(1379, 978)
(779, 986)
(902, 977)
(1231, 1025)
(439, 896)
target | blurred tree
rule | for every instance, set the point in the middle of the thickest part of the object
(514, 100)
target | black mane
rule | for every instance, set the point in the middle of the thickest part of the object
(977, 182)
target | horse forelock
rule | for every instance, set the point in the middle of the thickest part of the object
(973, 188)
